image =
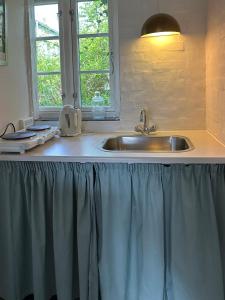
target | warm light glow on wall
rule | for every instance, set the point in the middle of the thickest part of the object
(158, 34)
(164, 40)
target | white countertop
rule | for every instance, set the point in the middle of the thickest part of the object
(86, 148)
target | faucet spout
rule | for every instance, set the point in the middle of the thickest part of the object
(143, 118)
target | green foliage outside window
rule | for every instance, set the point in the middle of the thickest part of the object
(93, 53)
(49, 86)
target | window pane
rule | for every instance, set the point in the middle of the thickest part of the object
(48, 56)
(94, 53)
(90, 83)
(93, 17)
(49, 90)
(46, 19)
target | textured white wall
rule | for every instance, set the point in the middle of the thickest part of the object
(13, 87)
(166, 76)
(215, 66)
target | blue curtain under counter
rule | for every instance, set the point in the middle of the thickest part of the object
(45, 208)
(112, 231)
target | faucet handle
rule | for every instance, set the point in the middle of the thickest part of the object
(151, 129)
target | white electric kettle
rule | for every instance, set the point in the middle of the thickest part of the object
(70, 121)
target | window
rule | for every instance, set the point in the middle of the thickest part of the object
(74, 50)
(48, 62)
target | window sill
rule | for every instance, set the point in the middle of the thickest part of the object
(114, 119)
(103, 119)
(86, 119)
(86, 116)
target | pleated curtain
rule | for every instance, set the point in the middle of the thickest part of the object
(112, 231)
(161, 232)
(45, 208)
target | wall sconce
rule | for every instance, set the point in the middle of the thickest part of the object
(160, 25)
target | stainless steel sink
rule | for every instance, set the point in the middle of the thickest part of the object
(148, 144)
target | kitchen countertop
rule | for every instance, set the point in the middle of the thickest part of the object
(86, 148)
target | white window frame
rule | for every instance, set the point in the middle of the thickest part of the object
(70, 61)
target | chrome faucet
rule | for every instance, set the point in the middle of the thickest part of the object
(145, 128)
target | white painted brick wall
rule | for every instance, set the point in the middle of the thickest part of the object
(215, 69)
(166, 77)
(14, 102)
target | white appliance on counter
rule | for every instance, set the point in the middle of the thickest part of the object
(70, 121)
(22, 145)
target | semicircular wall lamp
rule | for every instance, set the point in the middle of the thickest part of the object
(160, 25)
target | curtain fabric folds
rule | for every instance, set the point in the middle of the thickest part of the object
(161, 231)
(44, 209)
(127, 232)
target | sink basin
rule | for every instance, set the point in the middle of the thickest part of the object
(148, 144)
